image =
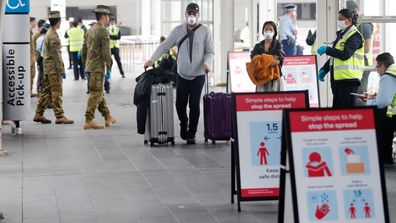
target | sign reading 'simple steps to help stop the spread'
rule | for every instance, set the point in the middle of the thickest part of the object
(257, 147)
(335, 170)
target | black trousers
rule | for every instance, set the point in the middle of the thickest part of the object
(70, 56)
(342, 97)
(116, 53)
(386, 127)
(189, 92)
(78, 67)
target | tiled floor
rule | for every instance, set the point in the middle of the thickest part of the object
(59, 173)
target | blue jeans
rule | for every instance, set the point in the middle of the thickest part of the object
(189, 91)
(289, 49)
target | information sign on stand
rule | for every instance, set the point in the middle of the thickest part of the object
(335, 170)
(239, 78)
(300, 73)
(257, 141)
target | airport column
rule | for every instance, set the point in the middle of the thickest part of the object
(2, 6)
(223, 36)
(16, 62)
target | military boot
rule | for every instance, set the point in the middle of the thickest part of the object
(63, 120)
(41, 118)
(109, 120)
(92, 125)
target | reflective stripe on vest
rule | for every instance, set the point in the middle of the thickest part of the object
(76, 39)
(353, 67)
(114, 32)
(314, 48)
(391, 111)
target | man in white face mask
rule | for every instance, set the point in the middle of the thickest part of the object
(195, 53)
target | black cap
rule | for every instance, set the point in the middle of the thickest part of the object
(192, 7)
(291, 7)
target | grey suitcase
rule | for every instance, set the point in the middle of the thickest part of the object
(159, 122)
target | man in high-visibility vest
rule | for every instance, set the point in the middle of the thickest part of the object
(115, 36)
(76, 39)
(367, 31)
(385, 100)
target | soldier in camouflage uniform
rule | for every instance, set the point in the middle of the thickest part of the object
(97, 58)
(53, 73)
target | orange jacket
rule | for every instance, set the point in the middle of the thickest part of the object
(260, 70)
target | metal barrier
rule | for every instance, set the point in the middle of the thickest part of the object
(134, 53)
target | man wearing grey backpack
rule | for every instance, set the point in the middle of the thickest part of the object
(195, 53)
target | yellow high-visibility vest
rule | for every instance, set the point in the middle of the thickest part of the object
(114, 32)
(353, 67)
(76, 39)
(391, 111)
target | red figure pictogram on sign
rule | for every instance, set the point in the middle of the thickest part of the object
(263, 153)
(316, 167)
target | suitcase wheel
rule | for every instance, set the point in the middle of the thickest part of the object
(151, 144)
(173, 143)
(213, 142)
(206, 141)
(145, 142)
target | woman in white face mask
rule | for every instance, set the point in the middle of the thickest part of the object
(270, 46)
(346, 64)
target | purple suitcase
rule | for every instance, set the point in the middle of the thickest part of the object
(217, 116)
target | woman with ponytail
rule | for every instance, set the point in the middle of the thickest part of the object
(346, 64)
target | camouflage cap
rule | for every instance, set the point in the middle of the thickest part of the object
(102, 9)
(54, 15)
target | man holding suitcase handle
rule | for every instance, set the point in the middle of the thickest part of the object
(194, 56)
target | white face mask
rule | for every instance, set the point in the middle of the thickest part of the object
(191, 20)
(268, 34)
(341, 25)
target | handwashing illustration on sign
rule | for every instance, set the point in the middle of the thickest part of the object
(353, 164)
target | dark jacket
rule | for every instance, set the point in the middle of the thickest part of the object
(354, 43)
(275, 49)
(141, 97)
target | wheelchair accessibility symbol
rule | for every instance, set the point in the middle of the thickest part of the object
(17, 6)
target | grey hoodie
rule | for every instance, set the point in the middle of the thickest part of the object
(202, 51)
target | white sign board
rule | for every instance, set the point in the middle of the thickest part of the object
(239, 78)
(259, 128)
(336, 174)
(16, 61)
(300, 73)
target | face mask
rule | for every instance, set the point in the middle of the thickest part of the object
(191, 20)
(341, 25)
(268, 34)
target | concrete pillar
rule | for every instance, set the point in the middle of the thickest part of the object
(326, 33)
(223, 37)
(146, 17)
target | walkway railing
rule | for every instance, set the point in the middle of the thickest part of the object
(135, 51)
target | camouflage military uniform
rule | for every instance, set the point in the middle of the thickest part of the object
(36, 56)
(97, 58)
(53, 69)
(32, 60)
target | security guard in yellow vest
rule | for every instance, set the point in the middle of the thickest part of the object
(385, 100)
(115, 36)
(76, 39)
(346, 64)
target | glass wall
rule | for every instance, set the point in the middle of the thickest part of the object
(172, 14)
